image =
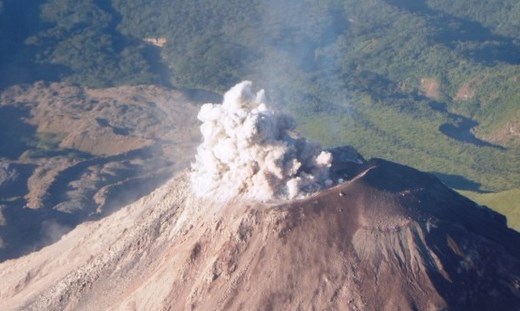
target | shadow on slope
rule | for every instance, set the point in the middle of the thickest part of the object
(474, 40)
(19, 20)
(14, 132)
(461, 128)
(462, 240)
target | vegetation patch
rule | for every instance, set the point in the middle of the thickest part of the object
(505, 202)
(390, 78)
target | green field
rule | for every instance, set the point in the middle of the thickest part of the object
(432, 84)
(506, 202)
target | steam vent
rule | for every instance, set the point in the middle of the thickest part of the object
(265, 220)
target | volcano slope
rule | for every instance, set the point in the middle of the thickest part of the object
(390, 238)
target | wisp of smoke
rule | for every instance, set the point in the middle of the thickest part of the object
(252, 152)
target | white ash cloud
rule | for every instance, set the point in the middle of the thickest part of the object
(253, 152)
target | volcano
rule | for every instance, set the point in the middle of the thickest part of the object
(388, 238)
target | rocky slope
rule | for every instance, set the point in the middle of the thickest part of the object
(67, 153)
(390, 238)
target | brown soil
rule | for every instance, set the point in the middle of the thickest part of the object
(467, 89)
(109, 141)
(430, 87)
(391, 238)
(465, 92)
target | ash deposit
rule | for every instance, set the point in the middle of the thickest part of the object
(387, 238)
(390, 238)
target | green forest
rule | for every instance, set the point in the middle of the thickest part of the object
(429, 83)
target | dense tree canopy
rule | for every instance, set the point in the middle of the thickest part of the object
(389, 76)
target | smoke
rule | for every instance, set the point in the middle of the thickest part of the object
(51, 231)
(253, 152)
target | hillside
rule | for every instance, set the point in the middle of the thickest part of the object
(432, 84)
(69, 153)
(505, 202)
(101, 103)
(391, 238)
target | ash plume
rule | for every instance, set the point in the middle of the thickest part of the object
(253, 152)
